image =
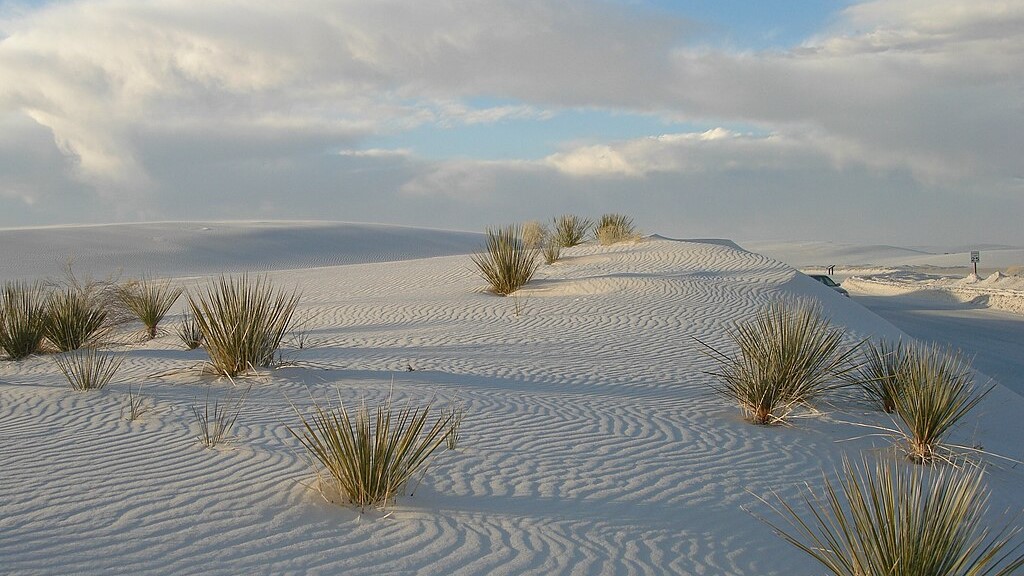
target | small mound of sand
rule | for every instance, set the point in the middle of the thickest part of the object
(994, 278)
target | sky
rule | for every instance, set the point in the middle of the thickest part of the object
(881, 122)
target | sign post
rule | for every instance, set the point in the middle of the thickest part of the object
(975, 258)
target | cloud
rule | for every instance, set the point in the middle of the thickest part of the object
(360, 67)
(709, 151)
(190, 108)
(931, 86)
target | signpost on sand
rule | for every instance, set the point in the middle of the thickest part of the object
(975, 258)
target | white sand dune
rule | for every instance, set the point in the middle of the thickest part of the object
(591, 443)
(852, 256)
(200, 248)
(925, 273)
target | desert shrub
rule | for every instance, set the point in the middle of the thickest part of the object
(149, 301)
(877, 374)
(534, 234)
(87, 369)
(936, 392)
(242, 322)
(787, 355)
(74, 318)
(102, 293)
(22, 318)
(551, 251)
(570, 230)
(887, 520)
(612, 228)
(215, 422)
(507, 264)
(134, 404)
(371, 457)
(189, 332)
(455, 413)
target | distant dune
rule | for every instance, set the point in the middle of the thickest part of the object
(803, 254)
(201, 248)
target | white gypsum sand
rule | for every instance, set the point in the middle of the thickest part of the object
(591, 442)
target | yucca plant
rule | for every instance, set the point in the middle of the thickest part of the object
(189, 332)
(88, 369)
(507, 264)
(885, 520)
(936, 392)
(149, 301)
(242, 322)
(371, 457)
(877, 373)
(612, 228)
(788, 355)
(22, 318)
(551, 251)
(570, 230)
(74, 318)
(535, 234)
(215, 422)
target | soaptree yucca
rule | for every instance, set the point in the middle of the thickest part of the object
(551, 251)
(786, 356)
(570, 230)
(22, 318)
(149, 301)
(535, 234)
(242, 321)
(507, 263)
(370, 456)
(936, 390)
(74, 318)
(877, 372)
(889, 520)
(189, 333)
(88, 369)
(612, 228)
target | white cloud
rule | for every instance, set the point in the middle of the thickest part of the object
(711, 150)
(377, 153)
(146, 102)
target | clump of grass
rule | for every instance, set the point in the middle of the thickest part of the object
(507, 264)
(74, 318)
(242, 322)
(612, 228)
(535, 234)
(215, 422)
(134, 404)
(370, 457)
(878, 372)
(788, 355)
(551, 251)
(149, 301)
(570, 230)
(936, 392)
(886, 520)
(88, 369)
(189, 332)
(455, 414)
(22, 318)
